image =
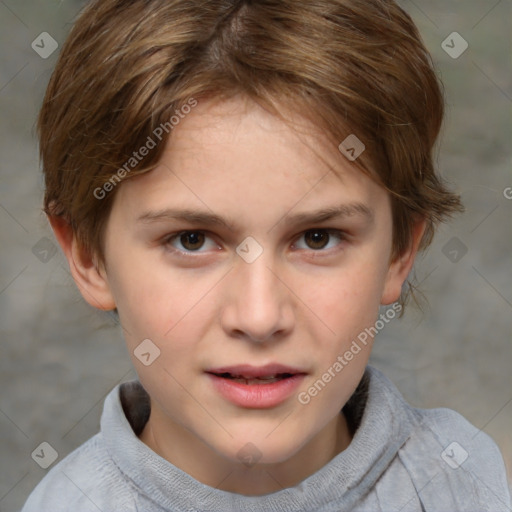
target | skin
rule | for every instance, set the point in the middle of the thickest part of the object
(300, 303)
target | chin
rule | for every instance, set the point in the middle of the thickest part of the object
(251, 451)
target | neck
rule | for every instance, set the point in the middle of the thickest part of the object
(198, 459)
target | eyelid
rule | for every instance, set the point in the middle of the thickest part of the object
(166, 240)
(340, 233)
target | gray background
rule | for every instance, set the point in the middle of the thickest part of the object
(59, 357)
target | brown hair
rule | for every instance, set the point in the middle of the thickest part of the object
(350, 66)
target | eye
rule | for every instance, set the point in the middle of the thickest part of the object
(190, 241)
(318, 239)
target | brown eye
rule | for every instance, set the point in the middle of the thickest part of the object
(192, 240)
(316, 239)
(320, 240)
(191, 244)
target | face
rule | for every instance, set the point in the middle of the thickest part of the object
(252, 257)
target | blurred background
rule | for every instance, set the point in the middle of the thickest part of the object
(60, 358)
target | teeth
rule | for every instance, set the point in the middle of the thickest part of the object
(266, 377)
(256, 380)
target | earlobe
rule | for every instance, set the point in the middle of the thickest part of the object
(90, 278)
(400, 267)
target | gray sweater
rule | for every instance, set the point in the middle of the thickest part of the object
(400, 459)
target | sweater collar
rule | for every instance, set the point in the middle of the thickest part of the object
(385, 424)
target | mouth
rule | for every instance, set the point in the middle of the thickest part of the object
(250, 375)
(256, 387)
(251, 381)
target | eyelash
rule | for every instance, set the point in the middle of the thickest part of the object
(341, 235)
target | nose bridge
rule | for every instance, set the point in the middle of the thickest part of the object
(258, 282)
(253, 266)
(258, 305)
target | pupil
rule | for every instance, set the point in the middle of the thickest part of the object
(192, 240)
(317, 239)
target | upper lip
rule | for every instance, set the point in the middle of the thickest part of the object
(252, 372)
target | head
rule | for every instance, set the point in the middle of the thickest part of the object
(248, 112)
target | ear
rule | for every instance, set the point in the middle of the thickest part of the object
(400, 267)
(90, 278)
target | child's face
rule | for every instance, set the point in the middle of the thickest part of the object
(299, 304)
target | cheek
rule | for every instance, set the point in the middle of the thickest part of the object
(150, 309)
(167, 307)
(348, 304)
(347, 299)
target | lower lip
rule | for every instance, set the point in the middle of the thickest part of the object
(256, 396)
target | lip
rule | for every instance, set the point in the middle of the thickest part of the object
(256, 396)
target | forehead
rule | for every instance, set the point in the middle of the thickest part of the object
(234, 155)
(220, 128)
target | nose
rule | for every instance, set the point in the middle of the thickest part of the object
(259, 307)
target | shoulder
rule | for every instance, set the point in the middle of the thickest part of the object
(449, 458)
(85, 480)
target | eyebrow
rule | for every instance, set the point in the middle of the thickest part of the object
(211, 219)
(332, 212)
